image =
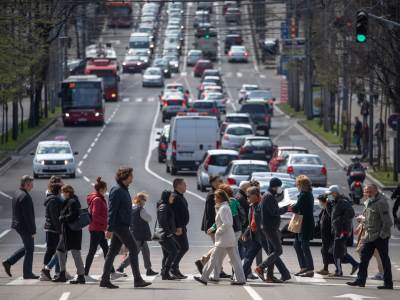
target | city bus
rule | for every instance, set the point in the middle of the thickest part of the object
(119, 14)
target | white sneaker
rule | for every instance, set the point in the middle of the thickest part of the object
(117, 275)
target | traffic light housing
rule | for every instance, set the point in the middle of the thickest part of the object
(361, 27)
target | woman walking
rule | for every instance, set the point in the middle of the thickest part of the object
(166, 229)
(225, 242)
(71, 240)
(305, 207)
(140, 229)
(52, 226)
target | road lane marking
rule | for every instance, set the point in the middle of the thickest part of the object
(262, 76)
(79, 170)
(4, 233)
(86, 178)
(151, 99)
(238, 74)
(125, 99)
(252, 292)
(139, 100)
(65, 296)
(85, 156)
(6, 195)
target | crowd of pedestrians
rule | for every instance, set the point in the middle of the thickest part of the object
(240, 226)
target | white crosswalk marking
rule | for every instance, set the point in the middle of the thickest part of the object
(139, 100)
(126, 99)
(183, 73)
(238, 74)
(229, 74)
(316, 279)
(263, 76)
(151, 99)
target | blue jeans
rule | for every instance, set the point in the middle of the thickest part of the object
(303, 253)
(27, 251)
(54, 263)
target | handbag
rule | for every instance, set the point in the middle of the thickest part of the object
(82, 221)
(157, 232)
(295, 223)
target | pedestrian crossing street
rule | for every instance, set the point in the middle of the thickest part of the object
(317, 280)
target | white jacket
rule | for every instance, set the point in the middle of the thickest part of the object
(224, 236)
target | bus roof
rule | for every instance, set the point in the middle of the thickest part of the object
(83, 78)
(100, 50)
(119, 4)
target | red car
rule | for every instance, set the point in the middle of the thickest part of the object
(280, 154)
(200, 66)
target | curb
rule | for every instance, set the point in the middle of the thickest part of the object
(8, 157)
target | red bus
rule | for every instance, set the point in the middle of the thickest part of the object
(119, 14)
(82, 100)
(107, 69)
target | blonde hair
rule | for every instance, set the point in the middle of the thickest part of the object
(226, 188)
(140, 196)
(304, 183)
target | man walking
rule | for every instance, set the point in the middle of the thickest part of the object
(357, 134)
(181, 211)
(119, 220)
(376, 236)
(23, 221)
(270, 223)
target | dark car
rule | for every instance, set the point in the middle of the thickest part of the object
(164, 65)
(232, 16)
(232, 40)
(259, 114)
(133, 64)
(205, 106)
(258, 147)
(163, 143)
(171, 107)
(200, 66)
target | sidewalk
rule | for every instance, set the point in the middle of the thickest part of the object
(25, 105)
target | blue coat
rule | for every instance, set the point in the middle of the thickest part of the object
(119, 207)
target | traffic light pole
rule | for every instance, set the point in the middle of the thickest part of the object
(308, 65)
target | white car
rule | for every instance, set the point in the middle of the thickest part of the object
(54, 158)
(153, 77)
(246, 88)
(234, 135)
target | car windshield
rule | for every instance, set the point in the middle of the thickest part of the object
(260, 94)
(305, 160)
(195, 54)
(294, 193)
(215, 96)
(221, 160)
(203, 104)
(248, 169)
(264, 185)
(250, 88)
(237, 119)
(261, 143)
(82, 95)
(153, 72)
(291, 151)
(239, 131)
(53, 149)
(253, 108)
(175, 102)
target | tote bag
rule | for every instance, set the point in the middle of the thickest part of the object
(295, 223)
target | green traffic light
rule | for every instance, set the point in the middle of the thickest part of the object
(361, 38)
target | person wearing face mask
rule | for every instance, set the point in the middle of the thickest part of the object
(325, 226)
(376, 235)
(270, 223)
(342, 219)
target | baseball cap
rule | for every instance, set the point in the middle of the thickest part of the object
(333, 189)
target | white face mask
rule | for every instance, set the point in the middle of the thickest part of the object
(331, 198)
(279, 190)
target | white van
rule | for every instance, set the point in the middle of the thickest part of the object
(191, 136)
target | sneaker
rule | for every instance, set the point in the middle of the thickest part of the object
(31, 276)
(260, 273)
(354, 269)
(7, 268)
(108, 285)
(178, 274)
(60, 278)
(80, 279)
(141, 284)
(117, 275)
(199, 266)
(251, 276)
(150, 272)
(273, 279)
(323, 272)
(300, 272)
(198, 279)
(307, 274)
(45, 275)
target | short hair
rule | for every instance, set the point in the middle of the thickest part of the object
(372, 185)
(68, 189)
(213, 178)
(177, 181)
(123, 173)
(100, 184)
(221, 195)
(253, 190)
(254, 183)
(140, 196)
(226, 188)
(54, 185)
(304, 183)
(26, 179)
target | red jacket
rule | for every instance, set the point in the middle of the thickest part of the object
(98, 209)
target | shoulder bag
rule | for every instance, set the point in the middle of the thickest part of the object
(82, 221)
(295, 223)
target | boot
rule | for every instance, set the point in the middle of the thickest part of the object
(60, 278)
(79, 280)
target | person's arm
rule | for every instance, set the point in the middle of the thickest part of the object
(54, 214)
(385, 218)
(145, 215)
(163, 221)
(73, 213)
(396, 206)
(226, 219)
(298, 207)
(113, 207)
(28, 214)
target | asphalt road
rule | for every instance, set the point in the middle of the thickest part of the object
(128, 138)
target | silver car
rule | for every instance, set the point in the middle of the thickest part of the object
(239, 170)
(214, 163)
(306, 164)
(238, 54)
(219, 98)
(153, 77)
(234, 135)
(245, 89)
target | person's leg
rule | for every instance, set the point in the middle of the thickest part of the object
(251, 252)
(378, 261)
(104, 246)
(125, 263)
(214, 260)
(170, 251)
(146, 254)
(366, 253)
(259, 257)
(62, 260)
(275, 249)
(234, 257)
(76, 255)
(115, 246)
(17, 255)
(383, 248)
(299, 253)
(94, 242)
(305, 246)
(348, 259)
(29, 246)
(52, 240)
(183, 248)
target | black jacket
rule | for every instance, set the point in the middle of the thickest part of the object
(342, 216)
(396, 197)
(23, 213)
(271, 212)
(181, 210)
(325, 223)
(209, 212)
(139, 227)
(119, 207)
(165, 216)
(242, 198)
(70, 239)
(53, 208)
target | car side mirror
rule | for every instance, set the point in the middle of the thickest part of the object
(76, 153)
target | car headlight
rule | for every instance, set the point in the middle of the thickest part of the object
(68, 161)
(139, 63)
(97, 114)
(40, 162)
(67, 115)
(176, 65)
(165, 71)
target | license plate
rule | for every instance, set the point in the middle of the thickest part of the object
(82, 120)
